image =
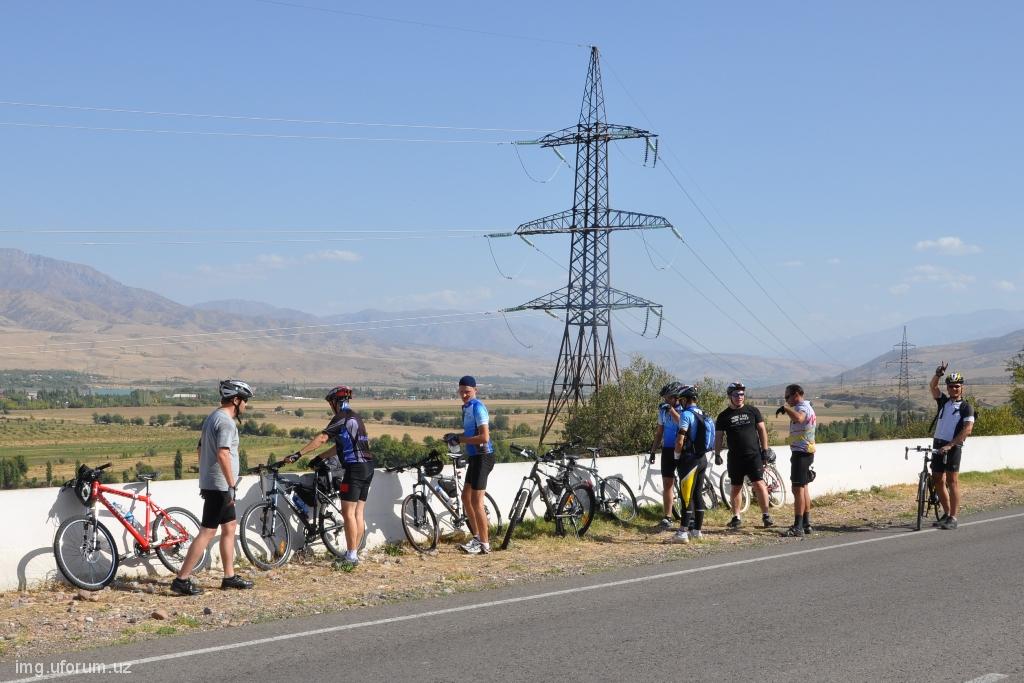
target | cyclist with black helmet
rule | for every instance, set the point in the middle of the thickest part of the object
(665, 439)
(954, 422)
(351, 450)
(218, 477)
(691, 464)
(742, 427)
(476, 437)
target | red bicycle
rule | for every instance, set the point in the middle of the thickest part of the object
(85, 549)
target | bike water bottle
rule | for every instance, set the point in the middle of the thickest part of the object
(301, 505)
(440, 492)
(130, 518)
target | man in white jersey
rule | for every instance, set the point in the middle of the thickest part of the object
(953, 422)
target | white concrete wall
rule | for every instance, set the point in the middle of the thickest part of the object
(31, 516)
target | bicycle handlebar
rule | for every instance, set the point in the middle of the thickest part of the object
(919, 449)
(102, 467)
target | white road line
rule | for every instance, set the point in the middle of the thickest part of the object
(989, 678)
(511, 601)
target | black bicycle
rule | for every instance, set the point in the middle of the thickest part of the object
(568, 501)
(419, 521)
(927, 497)
(614, 496)
(264, 532)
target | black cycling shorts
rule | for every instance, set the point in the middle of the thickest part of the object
(355, 485)
(800, 468)
(951, 461)
(668, 462)
(218, 508)
(749, 466)
(480, 466)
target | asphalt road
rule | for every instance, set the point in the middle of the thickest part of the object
(892, 605)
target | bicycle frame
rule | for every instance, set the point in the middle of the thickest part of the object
(279, 486)
(153, 511)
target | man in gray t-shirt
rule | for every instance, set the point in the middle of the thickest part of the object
(218, 477)
(220, 431)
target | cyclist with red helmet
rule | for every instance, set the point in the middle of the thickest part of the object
(351, 450)
(953, 423)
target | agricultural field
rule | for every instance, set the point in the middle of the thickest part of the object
(66, 436)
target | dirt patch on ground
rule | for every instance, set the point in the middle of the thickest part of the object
(54, 619)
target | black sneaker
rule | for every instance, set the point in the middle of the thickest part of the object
(767, 520)
(734, 523)
(185, 587)
(235, 581)
(950, 523)
(808, 530)
(941, 520)
(793, 532)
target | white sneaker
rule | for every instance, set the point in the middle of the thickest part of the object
(472, 547)
(681, 536)
(696, 535)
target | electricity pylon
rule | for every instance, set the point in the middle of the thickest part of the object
(586, 360)
(903, 378)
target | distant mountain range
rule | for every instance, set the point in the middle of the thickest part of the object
(66, 315)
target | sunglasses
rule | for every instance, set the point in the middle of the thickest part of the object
(738, 393)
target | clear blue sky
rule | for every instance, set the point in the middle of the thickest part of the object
(863, 159)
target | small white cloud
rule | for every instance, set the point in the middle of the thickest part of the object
(334, 255)
(792, 264)
(834, 261)
(948, 245)
(899, 289)
(932, 276)
(274, 261)
(1004, 286)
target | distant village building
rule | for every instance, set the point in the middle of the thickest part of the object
(184, 395)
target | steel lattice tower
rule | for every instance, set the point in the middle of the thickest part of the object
(903, 378)
(586, 360)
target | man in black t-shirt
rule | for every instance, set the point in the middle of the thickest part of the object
(953, 422)
(747, 436)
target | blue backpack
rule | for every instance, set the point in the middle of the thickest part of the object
(701, 437)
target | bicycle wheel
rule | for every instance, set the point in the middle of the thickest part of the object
(331, 524)
(173, 533)
(493, 515)
(725, 488)
(85, 553)
(922, 498)
(776, 487)
(419, 523)
(516, 515)
(618, 499)
(575, 511)
(265, 536)
(710, 495)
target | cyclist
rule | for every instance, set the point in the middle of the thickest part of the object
(351, 450)
(953, 423)
(691, 460)
(665, 438)
(747, 436)
(802, 423)
(218, 477)
(476, 437)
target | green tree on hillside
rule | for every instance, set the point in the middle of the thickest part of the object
(179, 464)
(1015, 366)
(49, 473)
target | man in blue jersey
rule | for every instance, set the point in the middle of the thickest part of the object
(665, 439)
(476, 437)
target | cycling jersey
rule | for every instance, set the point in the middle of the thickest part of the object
(670, 426)
(741, 433)
(952, 417)
(801, 434)
(474, 416)
(349, 434)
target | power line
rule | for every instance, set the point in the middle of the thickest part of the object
(422, 24)
(718, 234)
(269, 136)
(263, 119)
